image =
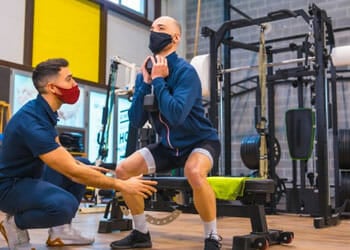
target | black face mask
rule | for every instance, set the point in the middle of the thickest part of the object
(158, 41)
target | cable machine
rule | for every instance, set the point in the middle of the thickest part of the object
(325, 107)
(113, 90)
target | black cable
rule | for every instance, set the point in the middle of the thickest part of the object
(102, 135)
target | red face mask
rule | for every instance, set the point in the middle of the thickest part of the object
(69, 96)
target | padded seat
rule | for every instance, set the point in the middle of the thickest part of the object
(266, 186)
(252, 185)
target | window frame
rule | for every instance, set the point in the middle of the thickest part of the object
(133, 14)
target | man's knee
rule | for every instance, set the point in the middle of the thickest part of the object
(121, 171)
(195, 176)
(134, 165)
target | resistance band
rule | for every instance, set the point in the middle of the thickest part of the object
(263, 166)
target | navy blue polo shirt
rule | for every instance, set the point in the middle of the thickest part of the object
(29, 133)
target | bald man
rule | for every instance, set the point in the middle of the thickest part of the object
(187, 138)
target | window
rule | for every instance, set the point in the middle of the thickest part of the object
(142, 11)
(21, 89)
(134, 5)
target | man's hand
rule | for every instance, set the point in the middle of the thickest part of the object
(160, 67)
(138, 186)
(146, 76)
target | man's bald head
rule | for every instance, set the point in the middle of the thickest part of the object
(168, 23)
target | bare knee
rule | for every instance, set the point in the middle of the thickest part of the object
(195, 176)
(134, 165)
(121, 171)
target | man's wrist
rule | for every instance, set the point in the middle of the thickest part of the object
(118, 184)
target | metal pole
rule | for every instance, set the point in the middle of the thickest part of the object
(325, 218)
(227, 156)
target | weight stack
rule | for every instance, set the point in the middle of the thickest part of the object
(344, 191)
(344, 148)
(344, 168)
(300, 127)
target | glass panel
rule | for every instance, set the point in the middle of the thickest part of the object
(96, 104)
(136, 5)
(123, 105)
(23, 90)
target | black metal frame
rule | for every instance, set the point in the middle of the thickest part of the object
(321, 24)
(219, 37)
(250, 205)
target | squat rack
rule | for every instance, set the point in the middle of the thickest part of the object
(321, 24)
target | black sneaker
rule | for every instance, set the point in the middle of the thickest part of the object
(212, 243)
(135, 239)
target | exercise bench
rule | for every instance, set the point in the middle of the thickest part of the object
(246, 200)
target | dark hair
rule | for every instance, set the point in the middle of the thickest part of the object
(44, 71)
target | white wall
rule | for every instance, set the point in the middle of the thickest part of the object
(177, 10)
(12, 14)
(128, 40)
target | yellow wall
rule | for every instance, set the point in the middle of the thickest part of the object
(68, 29)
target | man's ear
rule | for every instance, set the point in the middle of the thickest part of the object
(177, 38)
(50, 87)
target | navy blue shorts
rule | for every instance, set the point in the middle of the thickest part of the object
(162, 159)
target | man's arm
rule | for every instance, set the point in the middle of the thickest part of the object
(176, 106)
(63, 162)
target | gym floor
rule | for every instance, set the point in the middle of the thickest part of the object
(186, 233)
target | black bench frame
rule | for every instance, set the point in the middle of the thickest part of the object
(256, 193)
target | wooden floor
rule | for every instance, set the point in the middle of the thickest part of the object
(185, 233)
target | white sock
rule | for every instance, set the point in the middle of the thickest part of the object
(140, 223)
(210, 229)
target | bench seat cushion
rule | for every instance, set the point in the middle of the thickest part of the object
(225, 188)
